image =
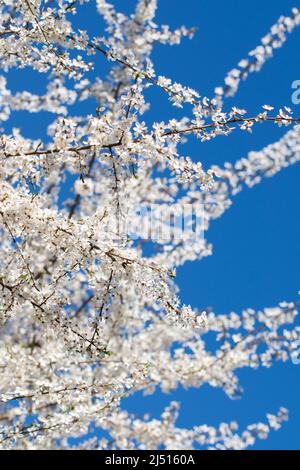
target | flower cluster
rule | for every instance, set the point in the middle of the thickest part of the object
(275, 38)
(90, 313)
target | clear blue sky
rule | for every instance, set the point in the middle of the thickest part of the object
(256, 243)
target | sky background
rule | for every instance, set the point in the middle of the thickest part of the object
(256, 243)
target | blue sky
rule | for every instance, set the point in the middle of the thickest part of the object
(256, 243)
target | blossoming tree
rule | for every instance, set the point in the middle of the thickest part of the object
(88, 316)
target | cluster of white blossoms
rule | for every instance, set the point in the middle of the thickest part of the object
(90, 315)
(275, 38)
